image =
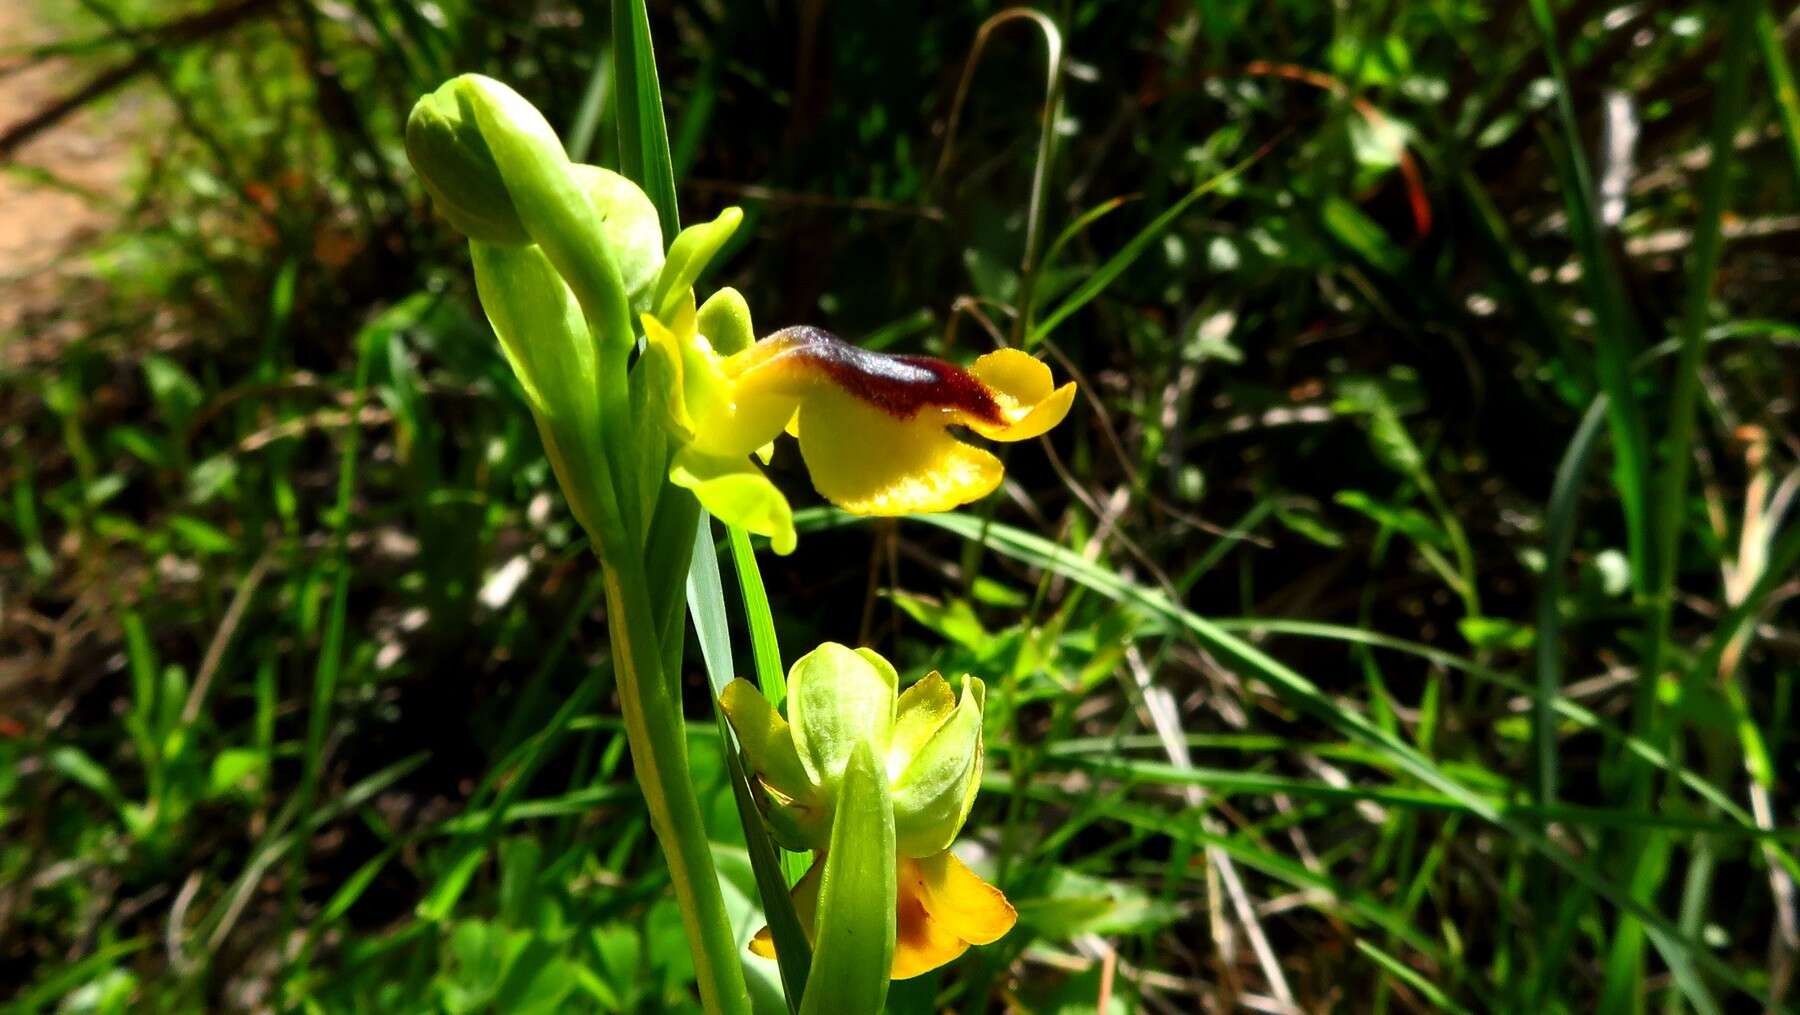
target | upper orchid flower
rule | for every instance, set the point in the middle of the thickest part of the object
(874, 429)
(929, 743)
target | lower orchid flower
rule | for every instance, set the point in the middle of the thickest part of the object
(943, 908)
(930, 743)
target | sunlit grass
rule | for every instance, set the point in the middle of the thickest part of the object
(1397, 624)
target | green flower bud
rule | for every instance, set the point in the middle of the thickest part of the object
(840, 699)
(444, 143)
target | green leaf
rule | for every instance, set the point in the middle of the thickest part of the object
(1494, 633)
(1409, 521)
(1387, 434)
(1073, 903)
(479, 956)
(706, 603)
(621, 952)
(954, 620)
(203, 537)
(643, 133)
(537, 982)
(857, 896)
(1378, 142)
(211, 478)
(1349, 226)
(1303, 519)
(233, 768)
(176, 392)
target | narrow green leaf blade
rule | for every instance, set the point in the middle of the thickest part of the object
(857, 897)
(706, 603)
(643, 135)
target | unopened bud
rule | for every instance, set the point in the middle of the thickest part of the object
(444, 142)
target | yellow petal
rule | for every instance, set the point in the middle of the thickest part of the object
(1016, 376)
(1042, 417)
(747, 419)
(869, 462)
(965, 905)
(805, 894)
(921, 943)
(1028, 399)
(922, 708)
(664, 359)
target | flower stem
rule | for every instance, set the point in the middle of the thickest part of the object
(657, 736)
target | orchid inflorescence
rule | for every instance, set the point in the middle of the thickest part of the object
(642, 396)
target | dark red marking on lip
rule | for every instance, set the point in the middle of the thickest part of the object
(897, 385)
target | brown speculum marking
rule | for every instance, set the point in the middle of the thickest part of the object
(898, 385)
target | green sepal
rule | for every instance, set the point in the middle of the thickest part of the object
(692, 251)
(933, 792)
(856, 922)
(737, 493)
(786, 797)
(545, 339)
(837, 699)
(628, 220)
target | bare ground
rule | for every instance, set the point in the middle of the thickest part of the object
(60, 190)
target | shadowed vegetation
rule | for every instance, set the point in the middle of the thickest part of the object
(1401, 620)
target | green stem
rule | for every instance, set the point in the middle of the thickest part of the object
(656, 732)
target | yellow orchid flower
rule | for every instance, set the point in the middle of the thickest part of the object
(875, 429)
(929, 741)
(944, 907)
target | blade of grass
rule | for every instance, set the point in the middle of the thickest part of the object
(764, 648)
(331, 648)
(637, 94)
(765, 651)
(706, 603)
(1559, 524)
(644, 156)
(1134, 248)
(644, 159)
(1703, 264)
(1407, 975)
(1046, 149)
(1238, 782)
(594, 99)
(1781, 84)
(1684, 955)
(1624, 977)
(1614, 329)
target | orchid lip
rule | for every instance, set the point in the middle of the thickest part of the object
(901, 386)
